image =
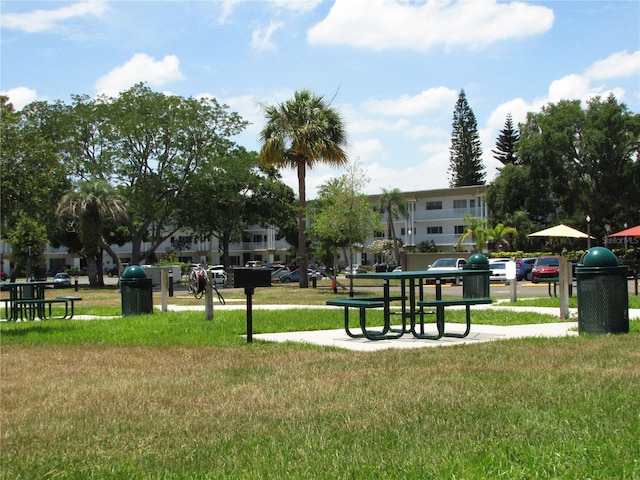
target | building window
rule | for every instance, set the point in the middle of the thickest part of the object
(434, 230)
(460, 204)
(434, 205)
(379, 234)
(459, 229)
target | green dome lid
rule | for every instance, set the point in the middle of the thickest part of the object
(134, 271)
(599, 257)
(478, 259)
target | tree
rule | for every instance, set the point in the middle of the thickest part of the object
(299, 133)
(394, 204)
(148, 145)
(33, 178)
(342, 216)
(237, 192)
(506, 143)
(28, 240)
(87, 206)
(479, 230)
(465, 164)
(583, 161)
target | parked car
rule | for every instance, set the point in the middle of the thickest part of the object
(295, 276)
(525, 268)
(452, 264)
(253, 264)
(545, 267)
(355, 268)
(277, 274)
(498, 271)
(61, 279)
(114, 272)
(218, 277)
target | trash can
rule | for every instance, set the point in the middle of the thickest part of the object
(136, 290)
(603, 298)
(476, 285)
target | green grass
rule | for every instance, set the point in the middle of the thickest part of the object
(171, 395)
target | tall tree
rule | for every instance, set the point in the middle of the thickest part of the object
(465, 163)
(148, 145)
(506, 143)
(33, 178)
(300, 133)
(583, 161)
(393, 203)
(88, 205)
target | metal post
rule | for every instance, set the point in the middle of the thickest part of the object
(564, 277)
(249, 292)
(164, 281)
(208, 298)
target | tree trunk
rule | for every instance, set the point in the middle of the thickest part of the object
(92, 270)
(303, 262)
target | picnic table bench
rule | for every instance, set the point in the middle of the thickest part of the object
(441, 305)
(32, 308)
(362, 304)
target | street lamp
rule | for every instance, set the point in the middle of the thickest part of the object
(588, 232)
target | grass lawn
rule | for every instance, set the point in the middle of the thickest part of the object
(171, 395)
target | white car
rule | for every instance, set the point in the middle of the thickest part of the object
(452, 264)
(498, 269)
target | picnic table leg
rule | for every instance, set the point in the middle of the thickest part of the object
(346, 325)
(467, 330)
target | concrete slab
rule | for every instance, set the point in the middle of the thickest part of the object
(479, 334)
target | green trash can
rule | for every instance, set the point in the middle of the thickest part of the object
(136, 290)
(476, 285)
(603, 297)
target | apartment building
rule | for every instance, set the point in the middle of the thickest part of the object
(433, 216)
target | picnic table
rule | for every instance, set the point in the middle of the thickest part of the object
(412, 303)
(27, 301)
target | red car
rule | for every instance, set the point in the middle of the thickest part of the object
(545, 267)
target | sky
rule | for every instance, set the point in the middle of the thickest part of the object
(393, 69)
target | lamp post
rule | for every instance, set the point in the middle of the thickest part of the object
(588, 232)
(625, 241)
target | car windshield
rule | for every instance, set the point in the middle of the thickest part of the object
(444, 262)
(548, 262)
(499, 265)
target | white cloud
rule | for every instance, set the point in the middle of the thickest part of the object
(298, 6)
(364, 126)
(140, 68)
(41, 20)
(427, 100)
(384, 24)
(20, 96)
(261, 37)
(617, 65)
(365, 149)
(421, 131)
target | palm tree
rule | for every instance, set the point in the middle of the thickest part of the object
(88, 205)
(300, 133)
(480, 231)
(392, 202)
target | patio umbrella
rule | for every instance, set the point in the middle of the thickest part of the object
(629, 232)
(560, 231)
